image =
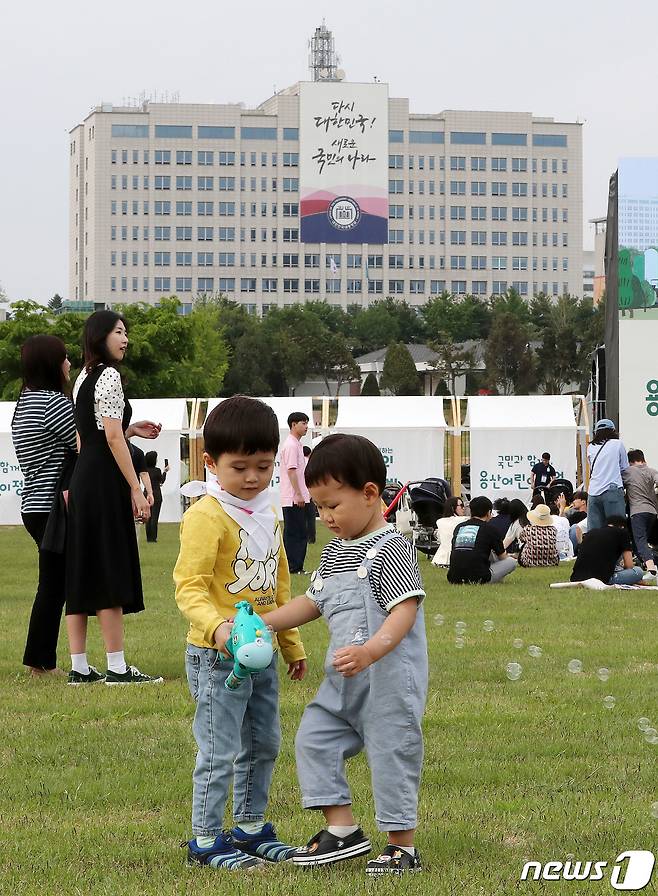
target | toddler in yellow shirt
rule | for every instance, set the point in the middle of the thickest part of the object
(231, 549)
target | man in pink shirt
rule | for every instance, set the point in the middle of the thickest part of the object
(294, 494)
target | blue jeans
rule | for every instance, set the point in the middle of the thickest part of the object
(600, 507)
(238, 736)
(641, 524)
(573, 538)
(627, 576)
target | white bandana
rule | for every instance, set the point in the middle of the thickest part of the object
(256, 517)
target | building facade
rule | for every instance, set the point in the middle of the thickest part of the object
(186, 199)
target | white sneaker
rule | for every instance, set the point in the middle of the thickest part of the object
(649, 578)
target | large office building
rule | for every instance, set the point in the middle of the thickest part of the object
(327, 190)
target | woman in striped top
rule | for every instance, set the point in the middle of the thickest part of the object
(43, 432)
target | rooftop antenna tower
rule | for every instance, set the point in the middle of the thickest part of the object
(322, 58)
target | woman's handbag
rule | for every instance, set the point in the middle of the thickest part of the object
(54, 536)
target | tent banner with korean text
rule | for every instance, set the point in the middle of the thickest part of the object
(343, 166)
(638, 304)
(509, 434)
(171, 413)
(409, 431)
(11, 478)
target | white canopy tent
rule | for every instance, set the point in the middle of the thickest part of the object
(282, 406)
(408, 430)
(509, 434)
(172, 414)
(11, 478)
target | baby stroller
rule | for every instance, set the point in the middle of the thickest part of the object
(392, 490)
(427, 500)
(560, 487)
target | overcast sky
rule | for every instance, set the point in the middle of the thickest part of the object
(572, 59)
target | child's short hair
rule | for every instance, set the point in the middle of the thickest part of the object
(635, 456)
(241, 425)
(480, 506)
(297, 417)
(351, 460)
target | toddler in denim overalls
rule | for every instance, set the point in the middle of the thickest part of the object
(373, 695)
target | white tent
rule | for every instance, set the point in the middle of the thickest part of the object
(172, 414)
(408, 430)
(509, 434)
(282, 407)
(11, 478)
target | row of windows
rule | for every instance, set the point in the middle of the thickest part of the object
(478, 188)
(499, 263)
(205, 157)
(224, 184)
(204, 132)
(224, 234)
(163, 285)
(500, 238)
(479, 138)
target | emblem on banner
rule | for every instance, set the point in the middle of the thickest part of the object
(344, 213)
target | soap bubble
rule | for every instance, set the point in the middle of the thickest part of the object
(603, 674)
(575, 666)
(654, 810)
(643, 723)
(460, 627)
(535, 651)
(459, 643)
(651, 736)
(439, 619)
(517, 643)
(609, 702)
(488, 625)
(513, 671)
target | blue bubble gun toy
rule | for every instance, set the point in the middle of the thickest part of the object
(250, 645)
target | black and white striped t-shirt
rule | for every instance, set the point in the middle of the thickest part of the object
(394, 575)
(43, 429)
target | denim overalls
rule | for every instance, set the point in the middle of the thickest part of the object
(379, 710)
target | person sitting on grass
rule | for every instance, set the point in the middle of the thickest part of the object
(576, 514)
(453, 515)
(641, 482)
(606, 554)
(561, 523)
(369, 590)
(518, 513)
(231, 549)
(539, 539)
(473, 543)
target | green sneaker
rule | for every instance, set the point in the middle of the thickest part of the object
(92, 677)
(132, 675)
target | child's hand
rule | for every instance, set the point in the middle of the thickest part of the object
(222, 636)
(297, 670)
(351, 660)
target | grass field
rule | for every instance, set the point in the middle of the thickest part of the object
(95, 783)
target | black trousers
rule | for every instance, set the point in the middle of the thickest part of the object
(294, 537)
(43, 631)
(152, 522)
(311, 516)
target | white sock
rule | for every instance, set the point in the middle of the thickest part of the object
(251, 827)
(116, 662)
(205, 842)
(79, 663)
(410, 849)
(342, 830)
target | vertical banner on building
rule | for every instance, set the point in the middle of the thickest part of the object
(638, 304)
(343, 143)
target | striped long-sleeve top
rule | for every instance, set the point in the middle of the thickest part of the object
(43, 430)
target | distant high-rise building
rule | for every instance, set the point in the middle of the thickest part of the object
(184, 198)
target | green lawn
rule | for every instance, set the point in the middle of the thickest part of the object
(95, 783)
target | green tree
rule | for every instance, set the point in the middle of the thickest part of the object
(370, 385)
(508, 358)
(27, 319)
(55, 303)
(567, 331)
(384, 322)
(457, 319)
(399, 375)
(451, 361)
(332, 359)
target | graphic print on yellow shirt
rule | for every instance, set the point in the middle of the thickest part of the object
(214, 571)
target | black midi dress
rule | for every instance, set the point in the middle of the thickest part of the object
(102, 558)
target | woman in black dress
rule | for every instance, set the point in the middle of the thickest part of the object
(157, 477)
(103, 577)
(43, 432)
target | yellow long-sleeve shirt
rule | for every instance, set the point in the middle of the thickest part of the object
(214, 571)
